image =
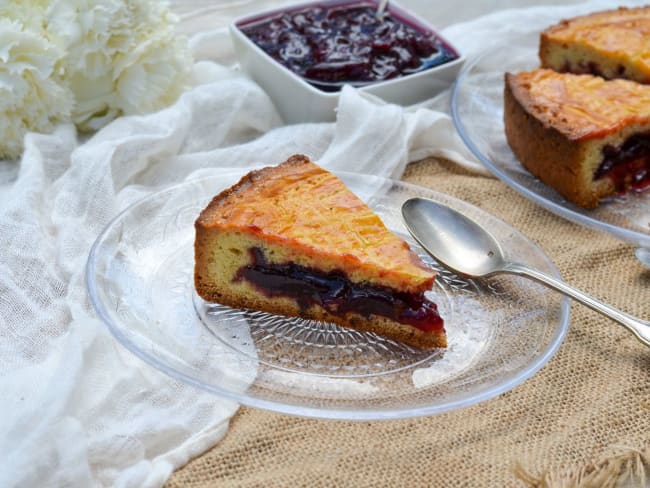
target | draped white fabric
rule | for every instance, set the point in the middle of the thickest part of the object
(76, 408)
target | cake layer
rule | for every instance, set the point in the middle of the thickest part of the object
(335, 293)
(571, 132)
(611, 44)
(232, 269)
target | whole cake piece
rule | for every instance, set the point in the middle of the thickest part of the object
(293, 240)
(586, 137)
(611, 44)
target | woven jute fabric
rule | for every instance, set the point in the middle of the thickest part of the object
(583, 420)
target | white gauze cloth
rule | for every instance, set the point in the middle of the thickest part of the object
(76, 408)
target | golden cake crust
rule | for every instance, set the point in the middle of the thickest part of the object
(305, 208)
(580, 106)
(611, 43)
(557, 124)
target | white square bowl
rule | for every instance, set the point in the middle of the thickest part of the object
(299, 101)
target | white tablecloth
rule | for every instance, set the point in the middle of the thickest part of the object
(76, 409)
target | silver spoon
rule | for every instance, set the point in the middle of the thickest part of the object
(463, 246)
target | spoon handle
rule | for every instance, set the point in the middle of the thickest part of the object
(640, 328)
(380, 8)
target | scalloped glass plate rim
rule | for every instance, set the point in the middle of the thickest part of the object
(481, 395)
(628, 235)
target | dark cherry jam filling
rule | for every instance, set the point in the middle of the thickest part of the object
(628, 166)
(590, 68)
(337, 294)
(329, 45)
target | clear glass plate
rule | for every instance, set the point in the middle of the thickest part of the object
(140, 281)
(477, 110)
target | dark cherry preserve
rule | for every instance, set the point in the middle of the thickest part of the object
(337, 294)
(332, 44)
(628, 166)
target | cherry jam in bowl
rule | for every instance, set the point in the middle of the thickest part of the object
(303, 55)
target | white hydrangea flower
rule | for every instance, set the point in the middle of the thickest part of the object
(123, 57)
(153, 74)
(88, 61)
(32, 95)
(30, 13)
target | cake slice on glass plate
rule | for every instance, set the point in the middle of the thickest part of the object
(293, 240)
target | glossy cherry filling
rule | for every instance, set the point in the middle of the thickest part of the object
(590, 68)
(334, 292)
(628, 166)
(329, 45)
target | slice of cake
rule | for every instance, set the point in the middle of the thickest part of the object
(586, 137)
(611, 44)
(294, 240)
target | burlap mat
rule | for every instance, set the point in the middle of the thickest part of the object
(583, 420)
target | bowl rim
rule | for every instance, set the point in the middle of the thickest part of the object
(371, 86)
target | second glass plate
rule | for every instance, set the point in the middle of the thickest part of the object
(477, 110)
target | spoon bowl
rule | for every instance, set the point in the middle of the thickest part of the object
(463, 246)
(460, 244)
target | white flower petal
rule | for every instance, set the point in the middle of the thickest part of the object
(89, 61)
(31, 97)
(131, 42)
